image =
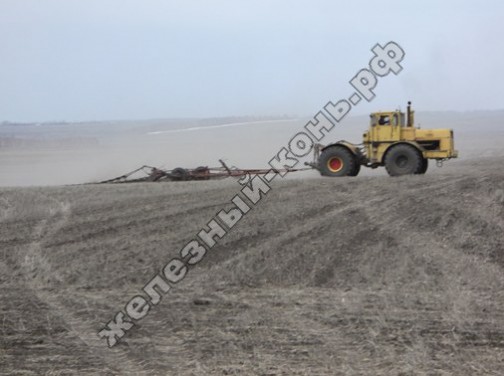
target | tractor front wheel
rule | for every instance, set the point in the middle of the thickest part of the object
(403, 159)
(338, 161)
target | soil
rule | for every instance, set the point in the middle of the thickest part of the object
(326, 276)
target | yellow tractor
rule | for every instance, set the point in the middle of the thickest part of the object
(391, 141)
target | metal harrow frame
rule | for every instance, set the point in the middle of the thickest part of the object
(154, 174)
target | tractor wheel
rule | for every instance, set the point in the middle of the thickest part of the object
(423, 167)
(338, 161)
(403, 160)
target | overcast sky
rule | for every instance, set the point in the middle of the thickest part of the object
(135, 59)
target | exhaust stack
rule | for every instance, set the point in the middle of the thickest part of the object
(410, 118)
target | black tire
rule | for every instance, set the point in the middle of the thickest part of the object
(337, 161)
(403, 159)
(423, 167)
(356, 170)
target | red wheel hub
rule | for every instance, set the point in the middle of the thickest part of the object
(335, 164)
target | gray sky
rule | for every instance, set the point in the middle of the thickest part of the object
(131, 59)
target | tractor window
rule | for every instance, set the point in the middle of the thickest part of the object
(384, 120)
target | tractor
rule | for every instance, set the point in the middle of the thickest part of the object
(391, 141)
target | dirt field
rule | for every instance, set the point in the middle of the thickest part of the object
(368, 275)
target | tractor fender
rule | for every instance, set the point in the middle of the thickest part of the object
(412, 143)
(352, 148)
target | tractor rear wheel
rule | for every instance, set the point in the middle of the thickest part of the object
(403, 159)
(338, 161)
(356, 170)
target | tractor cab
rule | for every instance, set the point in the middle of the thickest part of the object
(390, 126)
(395, 118)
